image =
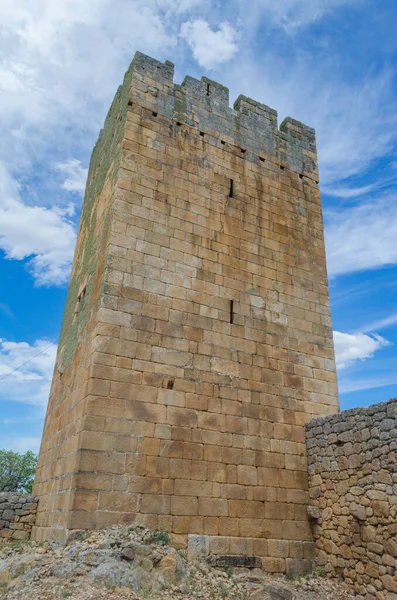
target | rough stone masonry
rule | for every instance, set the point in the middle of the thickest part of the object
(17, 516)
(196, 341)
(353, 489)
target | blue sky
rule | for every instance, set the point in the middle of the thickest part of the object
(328, 63)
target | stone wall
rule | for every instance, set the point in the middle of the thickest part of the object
(17, 515)
(197, 336)
(353, 491)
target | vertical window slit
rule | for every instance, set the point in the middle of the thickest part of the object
(231, 311)
(231, 189)
(208, 89)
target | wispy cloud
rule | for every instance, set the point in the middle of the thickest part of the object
(6, 311)
(380, 324)
(292, 16)
(356, 384)
(348, 192)
(362, 237)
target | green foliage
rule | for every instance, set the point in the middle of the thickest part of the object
(160, 537)
(17, 471)
(228, 570)
(66, 594)
(79, 536)
(290, 576)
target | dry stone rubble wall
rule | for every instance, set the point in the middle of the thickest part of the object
(17, 515)
(353, 494)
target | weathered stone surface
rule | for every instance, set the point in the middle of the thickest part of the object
(198, 546)
(299, 566)
(358, 512)
(230, 560)
(389, 583)
(314, 513)
(196, 340)
(356, 536)
(15, 522)
(128, 553)
(273, 592)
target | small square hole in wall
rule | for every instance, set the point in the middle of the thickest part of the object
(154, 114)
(300, 176)
(243, 150)
(129, 103)
(178, 123)
(281, 167)
(261, 159)
(202, 133)
(223, 142)
(170, 384)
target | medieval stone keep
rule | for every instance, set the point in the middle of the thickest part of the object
(196, 341)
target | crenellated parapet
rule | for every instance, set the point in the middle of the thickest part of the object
(204, 105)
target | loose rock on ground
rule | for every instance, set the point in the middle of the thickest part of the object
(125, 563)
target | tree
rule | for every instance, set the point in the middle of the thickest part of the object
(17, 471)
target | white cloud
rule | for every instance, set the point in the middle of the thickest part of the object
(30, 383)
(362, 237)
(46, 236)
(75, 175)
(210, 48)
(350, 348)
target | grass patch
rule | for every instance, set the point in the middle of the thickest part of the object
(160, 537)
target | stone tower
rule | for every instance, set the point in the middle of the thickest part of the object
(196, 340)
